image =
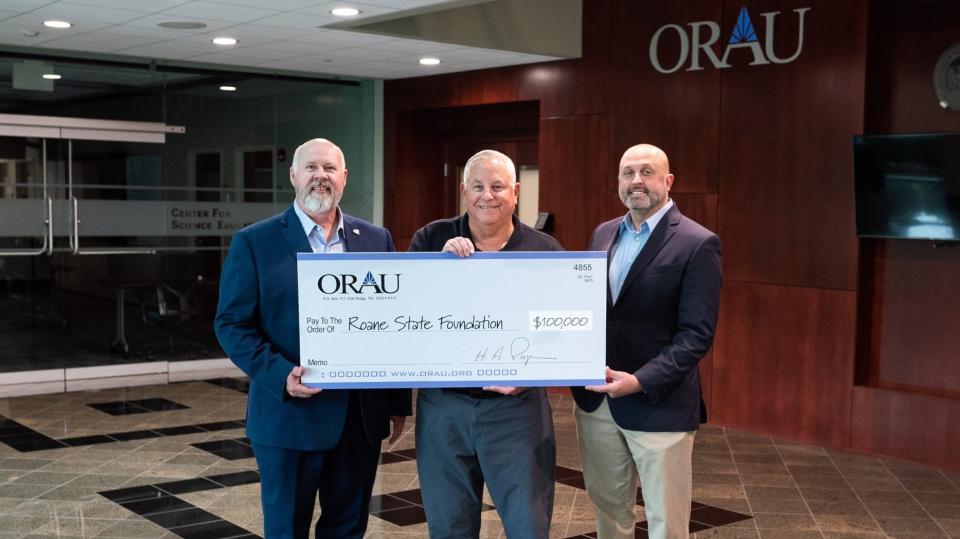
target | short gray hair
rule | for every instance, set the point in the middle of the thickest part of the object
(491, 155)
(296, 153)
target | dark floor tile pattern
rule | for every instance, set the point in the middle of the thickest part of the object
(702, 517)
(143, 406)
(390, 457)
(25, 439)
(235, 479)
(159, 504)
(182, 429)
(237, 384)
(404, 508)
(187, 486)
(794, 490)
(227, 449)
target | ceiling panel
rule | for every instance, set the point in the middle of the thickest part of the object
(322, 11)
(360, 53)
(22, 6)
(32, 22)
(172, 49)
(287, 35)
(204, 10)
(79, 43)
(204, 42)
(279, 5)
(273, 33)
(251, 54)
(77, 13)
(149, 24)
(291, 19)
(143, 6)
(339, 39)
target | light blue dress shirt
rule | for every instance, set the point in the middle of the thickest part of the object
(317, 236)
(629, 243)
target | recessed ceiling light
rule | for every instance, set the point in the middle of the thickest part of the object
(429, 61)
(51, 76)
(57, 24)
(224, 41)
(182, 25)
(229, 88)
(345, 11)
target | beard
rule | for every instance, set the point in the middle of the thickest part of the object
(652, 200)
(318, 202)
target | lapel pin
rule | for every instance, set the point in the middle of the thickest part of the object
(356, 231)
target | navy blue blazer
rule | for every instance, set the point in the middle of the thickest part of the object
(661, 325)
(256, 324)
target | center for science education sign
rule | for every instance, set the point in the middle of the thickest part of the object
(694, 47)
(212, 218)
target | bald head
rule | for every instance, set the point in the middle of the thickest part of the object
(647, 151)
(322, 142)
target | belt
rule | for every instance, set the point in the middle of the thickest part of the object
(475, 392)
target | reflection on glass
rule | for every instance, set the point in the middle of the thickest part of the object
(258, 176)
(61, 309)
(908, 186)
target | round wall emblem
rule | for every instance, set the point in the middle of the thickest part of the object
(946, 78)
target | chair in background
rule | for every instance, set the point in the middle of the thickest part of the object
(171, 308)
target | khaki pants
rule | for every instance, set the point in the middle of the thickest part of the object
(613, 457)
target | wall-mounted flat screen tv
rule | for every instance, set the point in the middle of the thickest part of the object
(908, 186)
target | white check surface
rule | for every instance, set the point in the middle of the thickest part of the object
(378, 320)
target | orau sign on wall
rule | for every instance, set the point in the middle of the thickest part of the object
(694, 47)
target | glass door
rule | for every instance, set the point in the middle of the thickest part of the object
(32, 318)
(86, 278)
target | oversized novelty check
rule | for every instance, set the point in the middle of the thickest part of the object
(378, 320)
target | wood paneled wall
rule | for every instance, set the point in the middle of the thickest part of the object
(908, 357)
(762, 155)
(786, 222)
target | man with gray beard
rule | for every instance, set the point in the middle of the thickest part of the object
(309, 444)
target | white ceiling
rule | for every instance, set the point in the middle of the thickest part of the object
(288, 35)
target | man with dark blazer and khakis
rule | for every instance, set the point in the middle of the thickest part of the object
(662, 304)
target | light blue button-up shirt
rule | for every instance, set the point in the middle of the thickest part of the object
(629, 243)
(317, 236)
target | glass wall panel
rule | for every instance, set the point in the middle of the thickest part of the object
(111, 246)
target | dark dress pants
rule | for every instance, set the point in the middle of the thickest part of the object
(506, 442)
(341, 478)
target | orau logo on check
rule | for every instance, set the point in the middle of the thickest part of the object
(561, 321)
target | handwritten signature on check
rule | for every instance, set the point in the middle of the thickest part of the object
(518, 354)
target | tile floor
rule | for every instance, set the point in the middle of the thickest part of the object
(172, 461)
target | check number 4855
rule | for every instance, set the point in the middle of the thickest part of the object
(583, 267)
